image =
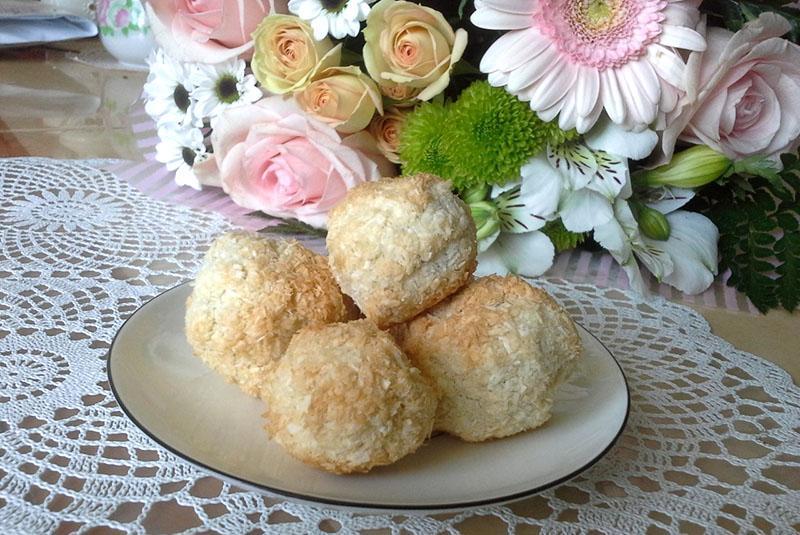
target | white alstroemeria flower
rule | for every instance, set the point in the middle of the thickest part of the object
(667, 199)
(522, 208)
(610, 137)
(687, 260)
(591, 181)
(529, 254)
(168, 92)
(595, 173)
(529, 204)
(693, 248)
(578, 182)
(179, 150)
(219, 86)
(335, 17)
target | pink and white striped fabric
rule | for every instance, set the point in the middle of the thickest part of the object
(595, 268)
(600, 269)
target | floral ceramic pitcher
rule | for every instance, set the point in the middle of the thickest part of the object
(124, 30)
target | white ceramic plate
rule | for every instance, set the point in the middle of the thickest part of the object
(193, 412)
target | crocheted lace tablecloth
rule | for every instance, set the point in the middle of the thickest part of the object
(712, 441)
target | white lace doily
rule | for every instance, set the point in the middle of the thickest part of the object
(711, 443)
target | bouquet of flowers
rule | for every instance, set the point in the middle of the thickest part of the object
(663, 131)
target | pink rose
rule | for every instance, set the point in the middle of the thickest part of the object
(102, 11)
(275, 158)
(743, 93)
(122, 18)
(207, 31)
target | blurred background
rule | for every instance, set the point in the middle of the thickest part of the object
(63, 94)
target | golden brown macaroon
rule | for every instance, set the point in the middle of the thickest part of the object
(496, 351)
(250, 297)
(344, 398)
(400, 245)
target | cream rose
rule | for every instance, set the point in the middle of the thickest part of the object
(343, 97)
(411, 45)
(287, 56)
(209, 31)
(386, 130)
(275, 158)
(743, 93)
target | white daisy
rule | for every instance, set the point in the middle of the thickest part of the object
(167, 92)
(335, 17)
(180, 149)
(218, 86)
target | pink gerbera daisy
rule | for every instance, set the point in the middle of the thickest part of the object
(575, 58)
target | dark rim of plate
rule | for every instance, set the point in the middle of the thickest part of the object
(352, 504)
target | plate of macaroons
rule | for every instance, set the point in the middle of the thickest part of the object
(384, 377)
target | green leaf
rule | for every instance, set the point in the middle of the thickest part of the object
(758, 165)
(350, 57)
(461, 7)
(765, 224)
(788, 249)
(759, 266)
(787, 222)
(747, 12)
(763, 239)
(733, 14)
(292, 226)
(759, 239)
(562, 239)
(462, 68)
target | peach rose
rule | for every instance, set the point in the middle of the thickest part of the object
(287, 56)
(401, 95)
(343, 97)
(275, 158)
(386, 130)
(743, 93)
(206, 31)
(411, 45)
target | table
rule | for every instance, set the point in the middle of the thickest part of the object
(68, 109)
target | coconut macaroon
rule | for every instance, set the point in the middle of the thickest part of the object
(496, 351)
(346, 399)
(400, 245)
(250, 297)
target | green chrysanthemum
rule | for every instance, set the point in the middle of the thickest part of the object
(494, 134)
(482, 138)
(562, 239)
(423, 143)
